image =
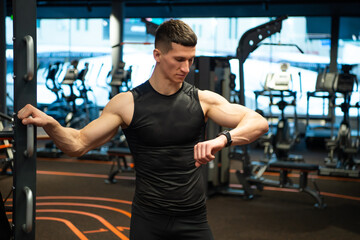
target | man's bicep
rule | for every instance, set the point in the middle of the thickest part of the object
(101, 130)
(104, 128)
(221, 111)
(227, 114)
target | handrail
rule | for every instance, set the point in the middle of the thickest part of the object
(30, 66)
(27, 227)
(29, 140)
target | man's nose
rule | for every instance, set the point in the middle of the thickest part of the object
(185, 67)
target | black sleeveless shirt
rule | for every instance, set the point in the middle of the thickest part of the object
(161, 137)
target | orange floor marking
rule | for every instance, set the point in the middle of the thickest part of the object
(84, 198)
(72, 174)
(97, 217)
(340, 196)
(126, 213)
(122, 228)
(74, 229)
(72, 160)
(96, 231)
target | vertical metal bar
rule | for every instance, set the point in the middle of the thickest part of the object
(2, 57)
(24, 12)
(335, 26)
(116, 32)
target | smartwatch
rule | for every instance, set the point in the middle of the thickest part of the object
(228, 137)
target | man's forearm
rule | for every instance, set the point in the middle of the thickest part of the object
(66, 139)
(249, 130)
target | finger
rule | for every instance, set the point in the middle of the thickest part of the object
(195, 151)
(197, 164)
(202, 154)
(25, 112)
(28, 120)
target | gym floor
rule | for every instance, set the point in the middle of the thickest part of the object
(74, 202)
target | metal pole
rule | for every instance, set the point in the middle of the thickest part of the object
(335, 25)
(25, 84)
(116, 32)
(3, 57)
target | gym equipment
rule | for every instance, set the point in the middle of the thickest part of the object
(252, 175)
(115, 155)
(8, 162)
(342, 149)
(278, 86)
(25, 85)
(217, 174)
(277, 146)
(316, 134)
(80, 114)
(51, 82)
(59, 108)
(120, 80)
(214, 73)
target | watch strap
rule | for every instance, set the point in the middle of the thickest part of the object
(228, 137)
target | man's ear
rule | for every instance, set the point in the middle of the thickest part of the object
(157, 54)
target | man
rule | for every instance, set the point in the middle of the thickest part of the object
(164, 123)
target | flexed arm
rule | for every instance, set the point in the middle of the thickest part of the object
(246, 125)
(76, 142)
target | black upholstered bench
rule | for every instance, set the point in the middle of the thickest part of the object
(115, 154)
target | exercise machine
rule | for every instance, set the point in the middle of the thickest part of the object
(80, 114)
(59, 108)
(213, 73)
(316, 134)
(120, 80)
(5, 145)
(23, 203)
(278, 144)
(51, 80)
(342, 148)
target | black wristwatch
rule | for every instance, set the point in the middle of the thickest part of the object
(228, 137)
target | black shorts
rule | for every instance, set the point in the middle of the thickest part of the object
(152, 226)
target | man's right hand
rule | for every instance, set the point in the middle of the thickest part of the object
(31, 115)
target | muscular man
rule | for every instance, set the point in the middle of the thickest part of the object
(164, 123)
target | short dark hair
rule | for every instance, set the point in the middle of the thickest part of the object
(174, 31)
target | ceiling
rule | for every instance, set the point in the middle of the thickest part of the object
(194, 8)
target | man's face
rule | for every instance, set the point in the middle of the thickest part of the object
(176, 63)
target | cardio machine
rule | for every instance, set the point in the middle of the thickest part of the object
(343, 148)
(80, 114)
(59, 108)
(277, 144)
(120, 80)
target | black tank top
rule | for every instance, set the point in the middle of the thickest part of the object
(161, 137)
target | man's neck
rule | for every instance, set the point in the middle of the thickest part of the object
(164, 86)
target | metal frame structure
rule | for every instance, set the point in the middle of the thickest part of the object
(25, 84)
